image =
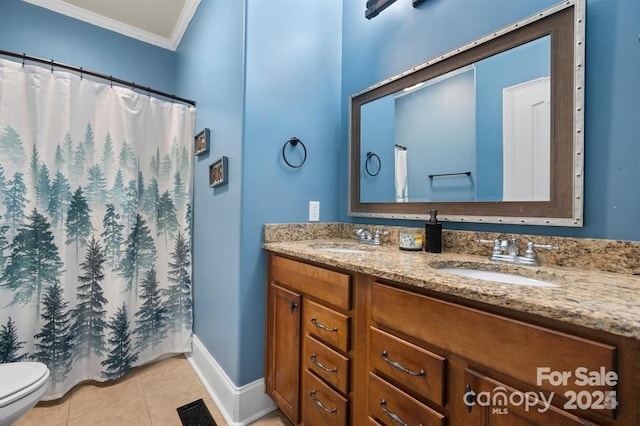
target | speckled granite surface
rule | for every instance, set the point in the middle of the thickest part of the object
(586, 296)
(604, 255)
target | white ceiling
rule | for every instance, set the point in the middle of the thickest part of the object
(158, 22)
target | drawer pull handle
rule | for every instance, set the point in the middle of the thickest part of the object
(321, 366)
(320, 404)
(396, 418)
(322, 326)
(397, 365)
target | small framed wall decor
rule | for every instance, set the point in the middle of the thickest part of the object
(218, 172)
(201, 141)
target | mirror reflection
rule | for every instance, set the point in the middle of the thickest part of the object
(478, 133)
(492, 130)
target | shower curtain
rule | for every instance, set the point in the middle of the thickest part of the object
(95, 251)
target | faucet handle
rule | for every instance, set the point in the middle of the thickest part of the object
(543, 246)
(483, 241)
(496, 245)
(378, 233)
(531, 254)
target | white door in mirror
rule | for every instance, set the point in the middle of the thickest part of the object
(527, 141)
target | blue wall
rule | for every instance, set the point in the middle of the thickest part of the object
(402, 37)
(437, 124)
(261, 72)
(211, 70)
(292, 89)
(377, 136)
(39, 32)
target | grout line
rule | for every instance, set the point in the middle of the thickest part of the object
(71, 392)
(136, 374)
(144, 393)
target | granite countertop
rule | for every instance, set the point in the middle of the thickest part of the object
(591, 298)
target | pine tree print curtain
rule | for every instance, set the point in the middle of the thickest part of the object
(95, 253)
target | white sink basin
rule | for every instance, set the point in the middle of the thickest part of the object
(343, 247)
(341, 250)
(499, 277)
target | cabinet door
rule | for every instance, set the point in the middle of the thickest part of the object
(492, 403)
(283, 349)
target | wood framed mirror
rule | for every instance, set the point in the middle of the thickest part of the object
(490, 132)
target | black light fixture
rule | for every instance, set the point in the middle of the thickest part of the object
(374, 7)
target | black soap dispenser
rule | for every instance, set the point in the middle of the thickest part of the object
(433, 234)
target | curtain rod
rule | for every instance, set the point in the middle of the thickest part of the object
(82, 71)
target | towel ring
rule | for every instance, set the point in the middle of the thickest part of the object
(371, 155)
(294, 142)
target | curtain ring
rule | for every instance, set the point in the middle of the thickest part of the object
(52, 65)
(294, 142)
(81, 75)
(370, 155)
(24, 57)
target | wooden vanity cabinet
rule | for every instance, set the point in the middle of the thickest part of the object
(494, 356)
(309, 342)
(345, 348)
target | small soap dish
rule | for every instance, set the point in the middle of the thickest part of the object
(411, 242)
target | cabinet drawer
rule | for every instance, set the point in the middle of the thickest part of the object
(512, 347)
(326, 363)
(328, 325)
(390, 405)
(324, 284)
(419, 370)
(321, 404)
(500, 408)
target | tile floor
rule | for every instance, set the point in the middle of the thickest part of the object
(148, 395)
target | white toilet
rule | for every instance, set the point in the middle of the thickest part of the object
(22, 384)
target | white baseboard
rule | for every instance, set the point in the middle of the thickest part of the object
(238, 405)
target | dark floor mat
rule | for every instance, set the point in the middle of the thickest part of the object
(195, 414)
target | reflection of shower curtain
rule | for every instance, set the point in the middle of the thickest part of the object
(402, 186)
(95, 271)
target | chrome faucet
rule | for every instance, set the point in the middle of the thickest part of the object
(367, 236)
(509, 252)
(363, 233)
(509, 247)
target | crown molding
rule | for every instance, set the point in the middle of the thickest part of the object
(122, 28)
(188, 11)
